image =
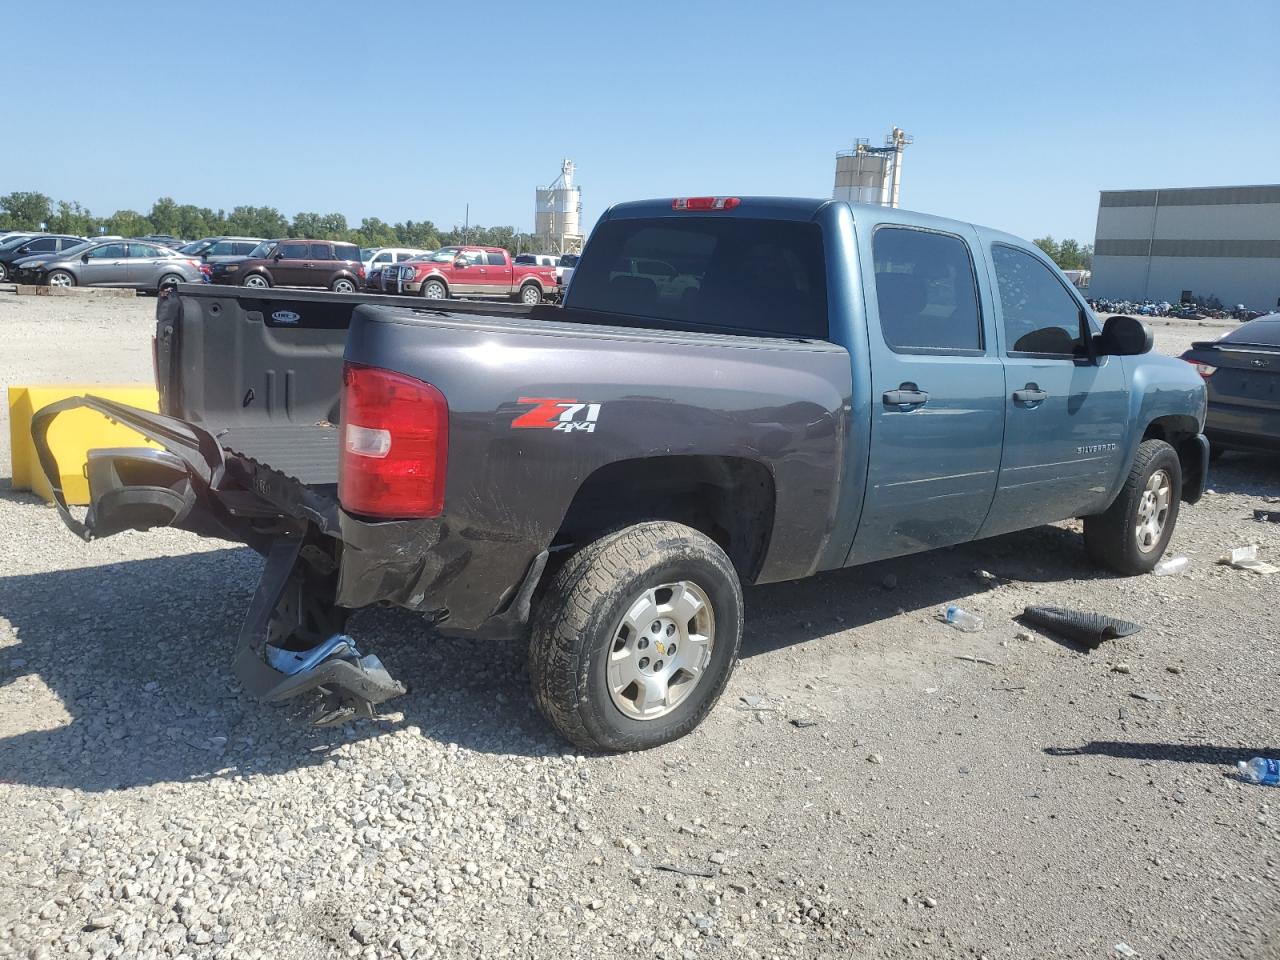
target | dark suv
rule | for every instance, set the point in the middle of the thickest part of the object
(295, 263)
(19, 247)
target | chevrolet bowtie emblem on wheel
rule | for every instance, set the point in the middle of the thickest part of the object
(662, 651)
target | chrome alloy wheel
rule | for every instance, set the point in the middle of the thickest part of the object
(660, 650)
(1153, 511)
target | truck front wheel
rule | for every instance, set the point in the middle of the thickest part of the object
(1132, 535)
(434, 290)
(635, 637)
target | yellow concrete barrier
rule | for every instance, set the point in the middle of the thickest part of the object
(72, 435)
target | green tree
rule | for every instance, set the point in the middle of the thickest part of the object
(128, 223)
(1067, 254)
(373, 232)
(74, 219)
(257, 222)
(1049, 246)
(164, 216)
(319, 226)
(25, 210)
(422, 235)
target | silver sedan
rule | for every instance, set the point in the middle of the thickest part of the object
(118, 263)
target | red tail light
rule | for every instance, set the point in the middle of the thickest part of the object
(360, 272)
(395, 444)
(1204, 369)
(705, 203)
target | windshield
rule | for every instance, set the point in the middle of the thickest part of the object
(263, 249)
(196, 246)
(444, 255)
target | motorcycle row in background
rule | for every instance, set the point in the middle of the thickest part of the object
(1212, 309)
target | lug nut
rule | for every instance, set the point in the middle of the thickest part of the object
(644, 662)
(642, 642)
(671, 629)
(656, 628)
(671, 650)
(658, 665)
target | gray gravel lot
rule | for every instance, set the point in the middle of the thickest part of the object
(860, 791)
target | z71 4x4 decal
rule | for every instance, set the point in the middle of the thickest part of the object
(558, 413)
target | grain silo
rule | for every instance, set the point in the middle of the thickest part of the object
(868, 174)
(557, 213)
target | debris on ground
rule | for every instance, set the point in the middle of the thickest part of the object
(1121, 667)
(803, 722)
(984, 660)
(1171, 567)
(1079, 625)
(1269, 516)
(1149, 697)
(962, 619)
(1124, 950)
(1260, 770)
(1246, 558)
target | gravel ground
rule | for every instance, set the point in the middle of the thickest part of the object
(873, 784)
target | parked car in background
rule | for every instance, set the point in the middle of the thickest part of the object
(1241, 371)
(116, 263)
(295, 263)
(536, 259)
(471, 272)
(564, 269)
(164, 239)
(375, 258)
(5, 237)
(216, 248)
(20, 248)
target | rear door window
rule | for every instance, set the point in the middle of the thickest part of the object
(321, 251)
(1041, 319)
(143, 251)
(731, 274)
(926, 292)
(293, 251)
(496, 259)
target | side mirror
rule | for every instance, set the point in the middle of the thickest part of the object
(85, 258)
(277, 256)
(1124, 337)
(459, 263)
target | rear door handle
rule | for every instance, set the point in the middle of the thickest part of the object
(907, 395)
(1031, 393)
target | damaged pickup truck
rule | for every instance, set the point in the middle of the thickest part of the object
(805, 385)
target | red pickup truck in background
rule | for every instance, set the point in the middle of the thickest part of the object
(471, 272)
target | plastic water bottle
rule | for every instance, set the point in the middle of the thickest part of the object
(1260, 770)
(1172, 567)
(962, 619)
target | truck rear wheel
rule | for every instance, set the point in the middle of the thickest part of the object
(1133, 533)
(530, 294)
(635, 637)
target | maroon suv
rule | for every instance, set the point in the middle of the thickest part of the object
(295, 263)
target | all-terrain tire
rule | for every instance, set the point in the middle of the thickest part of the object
(1112, 539)
(574, 632)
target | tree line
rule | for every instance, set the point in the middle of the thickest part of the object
(1067, 254)
(27, 210)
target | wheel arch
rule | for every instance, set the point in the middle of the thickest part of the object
(730, 499)
(1182, 432)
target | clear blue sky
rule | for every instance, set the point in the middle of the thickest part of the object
(1022, 111)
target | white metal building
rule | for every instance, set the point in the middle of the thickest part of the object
(557, 212)
(1189, 243)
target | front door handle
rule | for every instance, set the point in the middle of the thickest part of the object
(907, 395)
(1031, 393)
